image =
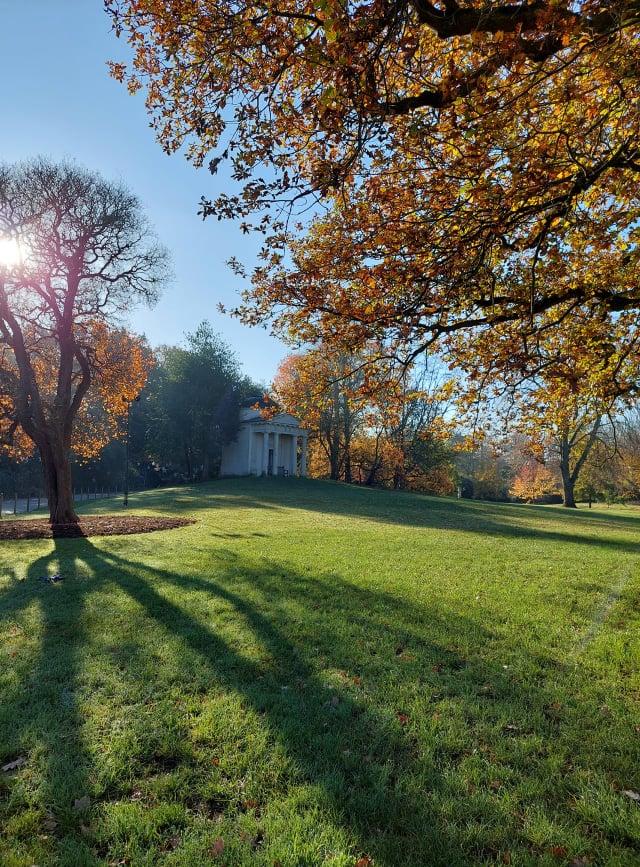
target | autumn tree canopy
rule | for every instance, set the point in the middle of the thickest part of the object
(84, 255)
(470, 163)
(369, 423)
(325, 389)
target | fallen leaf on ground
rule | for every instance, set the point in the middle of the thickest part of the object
(170, 844)
(631, 794)
(217, 848)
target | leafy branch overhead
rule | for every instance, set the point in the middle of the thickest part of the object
(416, 168)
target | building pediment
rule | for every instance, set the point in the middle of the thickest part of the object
(282, 419)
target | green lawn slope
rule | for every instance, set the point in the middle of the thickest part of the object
(315, 674)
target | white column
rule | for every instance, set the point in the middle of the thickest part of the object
(303, 456)
(276, 453)
(265, 453)
(293, 457)
(250, 435)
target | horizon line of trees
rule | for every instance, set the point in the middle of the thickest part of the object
(379, 423)
(176, 425)
(400, 433)
(72, 378)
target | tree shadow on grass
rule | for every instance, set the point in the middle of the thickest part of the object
(504, 520)
(382, 714)
(40, 722)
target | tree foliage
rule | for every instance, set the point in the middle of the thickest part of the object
(473, 164)
(324, 388)
(192, 409)
(534, 482)
(67, 367)
(560, 391)
(371, 422)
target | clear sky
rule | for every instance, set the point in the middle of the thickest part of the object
(58, 101)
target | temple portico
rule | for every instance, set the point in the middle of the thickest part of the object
(265, 446)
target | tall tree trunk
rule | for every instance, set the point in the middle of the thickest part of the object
(206, 465)
(568, 490)
(346, 413)
(187, 461)
(347, 467)
(334, 456)
(569, 477)
(58, 484)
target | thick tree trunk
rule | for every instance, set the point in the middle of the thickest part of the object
(334, 458)
(206, 465)
(569, 476)
(568, 491)
(58, 485)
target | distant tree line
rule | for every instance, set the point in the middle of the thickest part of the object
(177, 425)
(426, 428)
(371, 424)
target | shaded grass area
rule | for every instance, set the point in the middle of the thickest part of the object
(315, 674)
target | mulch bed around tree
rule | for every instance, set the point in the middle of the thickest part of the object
(90, 525)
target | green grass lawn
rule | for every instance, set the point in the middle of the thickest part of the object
(313, 674)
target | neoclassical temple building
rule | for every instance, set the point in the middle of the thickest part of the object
(266, 446)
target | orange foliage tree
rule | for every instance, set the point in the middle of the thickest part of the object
(121, 364)
(86, 254)
(474, 163)
(559, 388)
(324, 388)
(534, 481)
(373, 422)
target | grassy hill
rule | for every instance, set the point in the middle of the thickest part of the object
(315, 674)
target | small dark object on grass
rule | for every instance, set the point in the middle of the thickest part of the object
(50, 579)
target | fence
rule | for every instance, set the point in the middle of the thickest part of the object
(16, 505)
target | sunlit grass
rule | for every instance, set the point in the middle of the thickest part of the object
(315, 674)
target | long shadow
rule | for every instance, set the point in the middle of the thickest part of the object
(40, 718)
(324, 642)
(320, 727)
(500, 520)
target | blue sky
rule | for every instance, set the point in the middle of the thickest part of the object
(59, 101)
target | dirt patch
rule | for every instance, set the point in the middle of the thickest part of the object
(90, 525)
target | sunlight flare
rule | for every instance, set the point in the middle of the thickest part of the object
(10, 253)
